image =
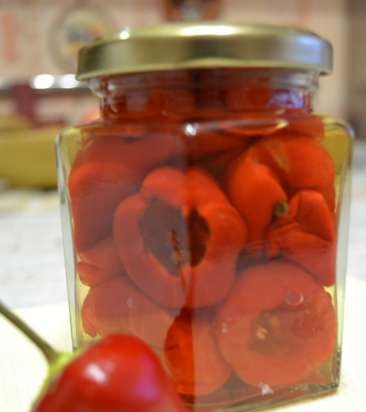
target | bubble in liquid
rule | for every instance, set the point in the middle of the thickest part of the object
(294, 298)
(224, 327)
(129, 302)
(265, 389)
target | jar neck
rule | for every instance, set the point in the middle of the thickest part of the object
(206, 92)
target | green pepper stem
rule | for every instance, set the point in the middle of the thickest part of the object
(48, 352)
(280, 209)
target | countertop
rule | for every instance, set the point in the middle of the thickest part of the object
(32, 282)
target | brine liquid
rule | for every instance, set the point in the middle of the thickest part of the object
(194, 338)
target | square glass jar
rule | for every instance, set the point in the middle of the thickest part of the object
(206, 212)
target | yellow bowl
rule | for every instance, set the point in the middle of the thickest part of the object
(27, 157)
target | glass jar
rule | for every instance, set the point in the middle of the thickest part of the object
(206, 212)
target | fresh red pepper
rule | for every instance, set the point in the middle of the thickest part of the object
(117, 306)
(117, 374)
(306, 235)
(99, 263)
(277, 325)
(193, 357)
(108, 168)
(179, 238)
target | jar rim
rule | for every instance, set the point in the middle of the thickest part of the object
(205, 45)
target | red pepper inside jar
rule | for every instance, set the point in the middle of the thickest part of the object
(206, 211)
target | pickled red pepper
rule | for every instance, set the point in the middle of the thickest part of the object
(99, 263)
(193, 357)
(106, 170)
(181, 231)
(284, 189)
(277, 325)
(118, 306)
(305, 234)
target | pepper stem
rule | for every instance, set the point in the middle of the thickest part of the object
(48, 352)
(280, 209)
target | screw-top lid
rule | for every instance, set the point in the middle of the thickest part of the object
(205, 45)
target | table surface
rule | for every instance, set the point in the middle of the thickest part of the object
(32, 281)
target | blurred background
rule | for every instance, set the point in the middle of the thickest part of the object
(39, 41)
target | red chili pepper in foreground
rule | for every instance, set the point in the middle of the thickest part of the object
(117, 374)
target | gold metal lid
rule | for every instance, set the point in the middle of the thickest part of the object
(204, 45)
